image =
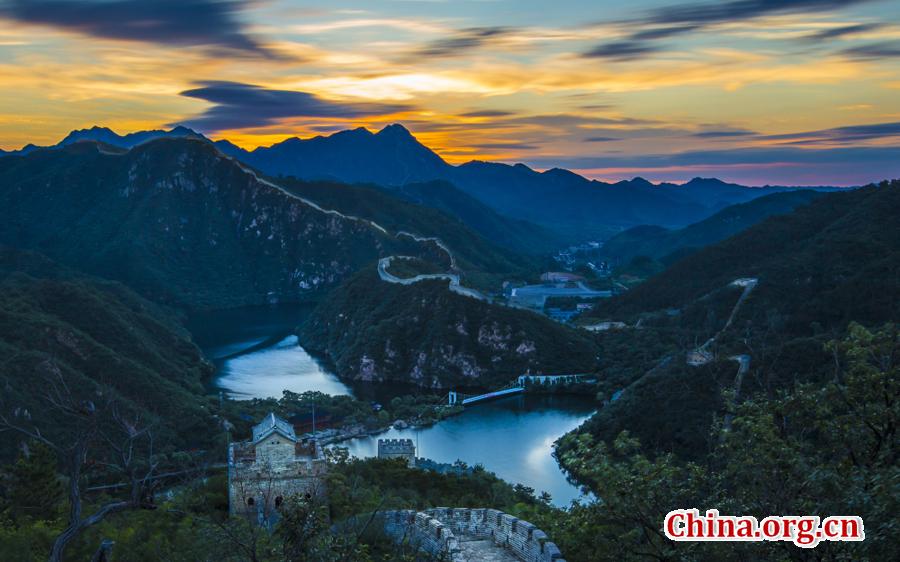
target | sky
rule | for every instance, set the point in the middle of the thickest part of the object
(798, 92)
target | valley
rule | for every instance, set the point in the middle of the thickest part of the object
(352, 310)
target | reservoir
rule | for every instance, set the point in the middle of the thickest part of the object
(257, 356)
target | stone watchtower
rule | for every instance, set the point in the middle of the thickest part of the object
(397, 449)
(274, 465)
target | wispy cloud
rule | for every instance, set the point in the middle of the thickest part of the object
(730, 133)
(462, 41)
(645, 32)
(874, 51)
(843, 31)
(838, 135)
(622, 50)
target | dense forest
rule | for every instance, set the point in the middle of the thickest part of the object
(427, 335)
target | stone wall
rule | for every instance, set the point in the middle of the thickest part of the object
(423, 531)
(440, 530)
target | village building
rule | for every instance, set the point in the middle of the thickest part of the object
(270, 468)
(397, 449)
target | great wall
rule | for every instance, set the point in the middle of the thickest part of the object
(470, 535)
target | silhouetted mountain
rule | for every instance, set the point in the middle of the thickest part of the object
(108, 136)
(569, 204)
(557, 198)
(658, 242)
(391, 156)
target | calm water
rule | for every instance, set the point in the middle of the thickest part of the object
(267, 372)
(512, 437)
(258, 357)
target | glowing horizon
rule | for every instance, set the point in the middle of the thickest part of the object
(795, 92)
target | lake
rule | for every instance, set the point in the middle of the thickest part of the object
(257, 356)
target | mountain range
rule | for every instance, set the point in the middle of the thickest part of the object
(181, 223)
(665, 244)
(560, 200)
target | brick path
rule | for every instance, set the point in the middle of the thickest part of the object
(484, 550)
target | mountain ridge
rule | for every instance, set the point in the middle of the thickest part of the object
(557, 199)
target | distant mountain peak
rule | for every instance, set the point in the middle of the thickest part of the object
(395, 130)
(637, 181)
(698, 179)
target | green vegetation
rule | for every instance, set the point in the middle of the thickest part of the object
(824, 265)
(338, 411)
(481, 262)
(181, 224)
(427, 335)
(820, 448)
(193, 525)
(409, 268)
(101, 339)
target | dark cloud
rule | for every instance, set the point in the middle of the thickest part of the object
(569, 120)
(850, 134)
(838, 32)
(211, 23)
(601, 139)
(488, 113)
(754, 166)
(462, 41)
(703, 14)
(662, 32)
(241, 106)
(723, 134)
(621, 50)
(874, 51)
(597, 107)
(669, 21)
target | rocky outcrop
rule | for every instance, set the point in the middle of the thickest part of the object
(429, 336)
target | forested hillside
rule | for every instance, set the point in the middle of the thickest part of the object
(795, 406)
(429, 336)
(181, 223)
(104, 343)
(828, 263)
(663, 244)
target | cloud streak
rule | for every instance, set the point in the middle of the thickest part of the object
(462, 41)
(669, 21)
(241, 106)
(208, 23)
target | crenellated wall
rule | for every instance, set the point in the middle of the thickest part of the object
(441, 529)
(423, 531)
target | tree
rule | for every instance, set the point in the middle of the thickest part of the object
(34, 489)
(97, 434)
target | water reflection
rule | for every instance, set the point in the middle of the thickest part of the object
(258, 357)
(267, 372)
(512, 437)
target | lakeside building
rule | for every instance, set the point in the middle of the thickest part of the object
(397, 449)
(274, 465)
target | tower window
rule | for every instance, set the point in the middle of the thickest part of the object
(278, 501)
(250, 501)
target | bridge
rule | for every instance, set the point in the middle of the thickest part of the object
(517, 386)
(454, 397)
